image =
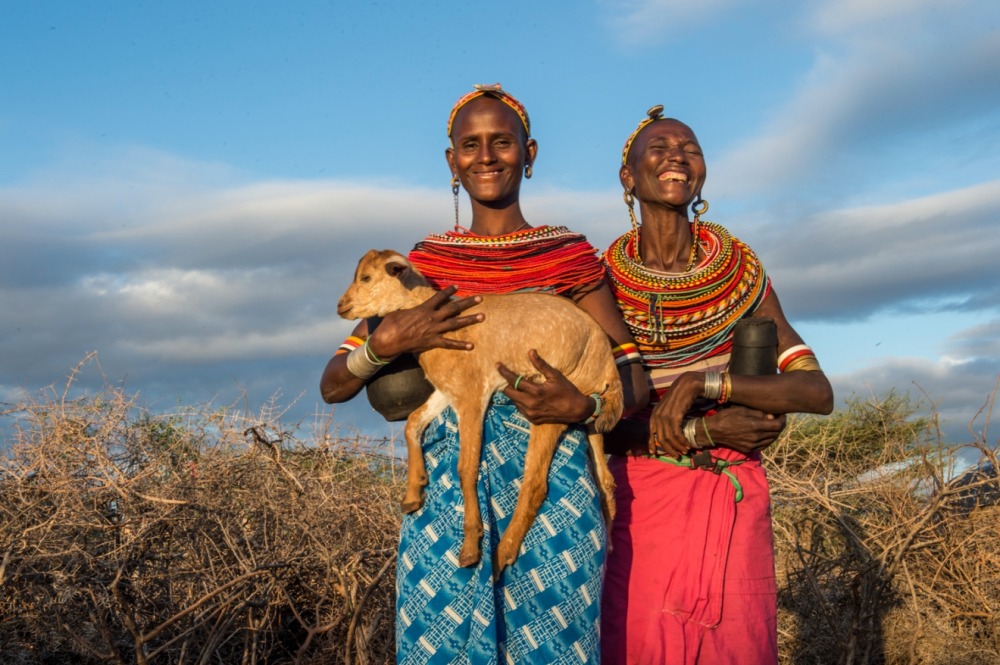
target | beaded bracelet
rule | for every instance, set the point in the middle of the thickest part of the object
(704, 424)
(373, 358)
(798, 358)
(598, 407)
(626, 353)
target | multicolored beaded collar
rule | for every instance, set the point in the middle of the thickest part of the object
(545, 258)
(679, 318)
(496, 92)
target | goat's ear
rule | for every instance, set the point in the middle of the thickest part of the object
(396, 266)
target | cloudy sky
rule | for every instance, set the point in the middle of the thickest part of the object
(185, 187)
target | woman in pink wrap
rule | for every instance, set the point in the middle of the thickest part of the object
(690, 577)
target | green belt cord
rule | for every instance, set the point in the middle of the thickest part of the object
(704, 460)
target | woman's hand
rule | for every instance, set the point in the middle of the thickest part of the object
(424, 326)
(743, 429)
(665, 424)
(556, 400)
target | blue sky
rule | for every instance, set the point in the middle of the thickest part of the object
(185, 187)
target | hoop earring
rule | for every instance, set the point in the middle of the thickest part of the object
(527, 171)
(454, 192)
(698, 207)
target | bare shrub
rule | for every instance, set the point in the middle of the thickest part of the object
(212, 536)
(882, 556)
(205, 537)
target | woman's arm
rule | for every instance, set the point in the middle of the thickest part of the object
(789, 392)
(405, 331)
(601, 305)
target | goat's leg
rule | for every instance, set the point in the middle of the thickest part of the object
(541, 447)
(416, 469)
(602, 474)
(470, 443)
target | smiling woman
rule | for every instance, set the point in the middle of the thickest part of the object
(545, 606)
(691, 575)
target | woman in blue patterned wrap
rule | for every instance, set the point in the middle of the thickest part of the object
(544, 608)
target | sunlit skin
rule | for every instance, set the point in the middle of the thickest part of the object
(666, 172)
(489, 153)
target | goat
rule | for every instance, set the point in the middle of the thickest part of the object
(563, 334)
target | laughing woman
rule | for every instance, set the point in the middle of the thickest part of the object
(691, 574)
(545, 607)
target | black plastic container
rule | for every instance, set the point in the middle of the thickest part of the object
(755, 348)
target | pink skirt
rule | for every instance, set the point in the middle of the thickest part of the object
(690, 577)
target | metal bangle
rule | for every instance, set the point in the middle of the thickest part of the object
(360, 365)
(713, 385)
(690, 432)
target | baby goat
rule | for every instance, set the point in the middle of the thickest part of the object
(563, 334)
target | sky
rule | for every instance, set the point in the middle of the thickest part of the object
(186, 187)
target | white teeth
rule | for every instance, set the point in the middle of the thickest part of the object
(673, 177)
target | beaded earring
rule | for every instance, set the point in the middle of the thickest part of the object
(527, 171)
(454, 191)
(630, 202)
(698, 207)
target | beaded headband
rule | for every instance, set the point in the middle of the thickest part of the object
(496, 92)
(655, 113)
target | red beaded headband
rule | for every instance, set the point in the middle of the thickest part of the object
(496, 92)
(655, 113)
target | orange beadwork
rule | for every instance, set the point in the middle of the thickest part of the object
(545, 258)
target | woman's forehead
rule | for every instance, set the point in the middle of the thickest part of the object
(486, 111)
(668, 127)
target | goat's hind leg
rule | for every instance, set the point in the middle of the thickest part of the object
(541, 448)
(470, 444)
(416, 469)
(602, 474)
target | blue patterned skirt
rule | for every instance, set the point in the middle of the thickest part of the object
(543, 609)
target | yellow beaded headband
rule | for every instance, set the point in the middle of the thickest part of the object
(496, 92)
(655, 113)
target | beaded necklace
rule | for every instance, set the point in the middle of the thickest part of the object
(680, 318)
(544, 258)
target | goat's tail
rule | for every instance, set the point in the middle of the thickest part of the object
(613, 401)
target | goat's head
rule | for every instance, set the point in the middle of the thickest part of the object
(383, 282)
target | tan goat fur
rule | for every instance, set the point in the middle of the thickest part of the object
(564, 335)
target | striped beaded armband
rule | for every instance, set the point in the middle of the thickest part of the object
(349, 345)
(626, 353)
(798, 358)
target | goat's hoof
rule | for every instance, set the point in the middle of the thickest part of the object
(468, 557)
(411, 505)
(506, 555)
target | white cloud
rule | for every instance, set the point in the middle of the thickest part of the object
(848, 16)
(643, 20)
(931, 252)
(190, 290)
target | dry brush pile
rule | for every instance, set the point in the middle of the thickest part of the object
(211, 538)
(883, 555)
(214, 537)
